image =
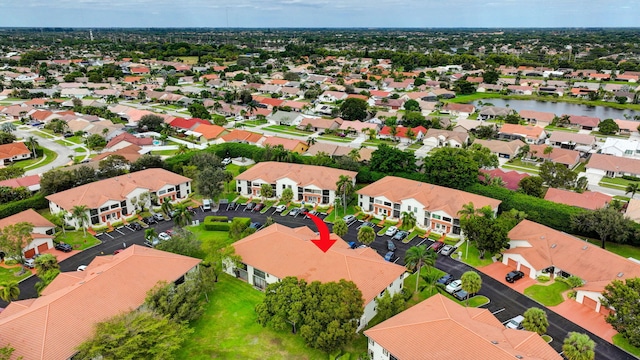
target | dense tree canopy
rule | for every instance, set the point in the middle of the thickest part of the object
(624, 297)
(451, 167)
(389, 160)
(353, 109)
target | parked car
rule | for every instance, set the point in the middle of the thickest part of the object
(281, 208)
(392, 230)
(515, 323)
(158, 217)
(30, 263)
(294, 212)
(514, 276)
(226, 161)
(63, 247)
(461, 295)
(312, 212)
(250, 206)
(447, 250)
(81, 268)
(389, 256)
(170, 232)
(436, 246)
(255, 225)
(446, 279)
(304, 211)
(391, 246)
(454, 286)
(135, 226)
(149, 220)
(349, 219)
(153, 242)
(400, 235)
(258, 207)
(191, 210)
(206, 205)
(366, 224)
(164, 236)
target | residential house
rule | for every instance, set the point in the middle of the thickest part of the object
(41, 235)
(566, 157)
(402, 133)
(621, 147)
(456, 109)
(112, 199)
(53, 325)
(537, 118)
(395, 104)
(332, 96)
(131, 153)
(31, 182)
(627, 126)
(334, 150)
(539, 250)
(492, 112)
(183, 125)
(207, 133)
(435, 207)
(292, 145)
(12, 152)
(502, 149)
(318, 124)
(471, 333)
(511, 179)
(484, 87)
(626, 77)
(125, 139)
(304, 180)
(526, 133)
(278, 251)
(584, 122)
(436, 138)
(466, 125)
(520, 90)
(633, 210)
(241, 136)
(285, 118)
(612, 166)
(358, 127)
(590, 200)
(573, 141)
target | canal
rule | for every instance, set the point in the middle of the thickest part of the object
(561, 108)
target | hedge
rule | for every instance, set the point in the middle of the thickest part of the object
(244, 221)
(216, 226)
(548, 213)
(214, 218)
(36, 202)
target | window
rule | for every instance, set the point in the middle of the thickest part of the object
(171, 189)
(162, 192)
(385, 352)
(258, 273)
(371, 342)
(387, 204)
(115, 206)
(103, 209)
(436, 216)
(446, 219)
(409, 208)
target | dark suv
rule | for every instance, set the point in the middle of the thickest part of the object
(513, 276)
(63, 247)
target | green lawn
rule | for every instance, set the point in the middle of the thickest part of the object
(339, 213)
(527, 169)
(77, 239)
(473, 257)
(221, 237)
(616, 182)
(228, 329)
(9, 274)
(623, 343)
(556, 128)
(287, 130)
(623, 250)
(164, 152)
(462, 99)
(31, 163)
(548, 295)
(335, 138)
(478, 300)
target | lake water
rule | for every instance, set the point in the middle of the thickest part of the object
(561, 108)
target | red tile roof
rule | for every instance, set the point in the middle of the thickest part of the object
(591, 200)
(23, 181)
(272, 102)
(30, 216)
(511, 179)
(303, 175)
(7, 151)
(130, 139)
(402, 131)
(187, 124)
(53, 325)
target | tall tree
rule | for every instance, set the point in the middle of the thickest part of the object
(408, 220)
(167, 206)
(418, 256)
(284, 305)
(181, 215)
(388, 306)
(578, 346)
(556, 175)
(608, 223)
(210, 182)
(451, 167)
(9, 290)
(79, 213)
(150, 122)
(353, 109)
(340, 228)
(471, 283)
(14, 238)
(624, 297)
(390, 160)
(535, 319)
(532, 185)
(180, 303)
(344, 186)
(32, 142)
(366, 235)
(266, 191)
(287, 195)
(632, 188)
(135, 335)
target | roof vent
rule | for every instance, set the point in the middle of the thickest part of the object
(620, 274)
(519, 357)
(585, 247)
(494, 342)
(553, 246)
(542, 237)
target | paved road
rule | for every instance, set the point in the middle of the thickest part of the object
(62, 151)
(505, 302)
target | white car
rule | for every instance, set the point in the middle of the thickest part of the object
(281, 208)
(164, 236)
(392, 230)
(515, 323)
(82, 267)
(226, 161)
(454, 286)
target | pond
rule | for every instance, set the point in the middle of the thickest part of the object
(561, 108)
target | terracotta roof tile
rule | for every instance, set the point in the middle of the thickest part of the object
(591, 200)
(304, 175)
(8, 151)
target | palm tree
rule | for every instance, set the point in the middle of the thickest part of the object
(79, 213)
(182, 149)
(535, 319)
(471, 283)
(467, 211)
(111, 99)
(33, 144)
(632, 188)
(45, 263)
(252, 106)
(408, 220)
(578, 346)
(344, 185)
(9, 291)
(393, 131)
(166, 206)
(547, 151)
(418, 256)
(150, 234)
(311, 141)
(182, 216)
(354, 155)
(366, 235)
(61, 216)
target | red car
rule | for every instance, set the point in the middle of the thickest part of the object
(117, 251)
(258, 207)
(436, 246)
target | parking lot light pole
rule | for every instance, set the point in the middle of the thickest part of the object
(467, 250)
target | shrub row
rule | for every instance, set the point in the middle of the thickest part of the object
(216, 226)
(35, 202)
(244, 222)
(213, 218)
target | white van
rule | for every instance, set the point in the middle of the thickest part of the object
(206, 205)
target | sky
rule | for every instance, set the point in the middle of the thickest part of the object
(320, 13)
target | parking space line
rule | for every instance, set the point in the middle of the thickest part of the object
(422, 242)
(108, 235)
(498, 311)
(119, 231)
